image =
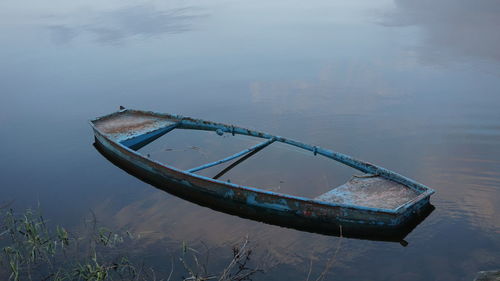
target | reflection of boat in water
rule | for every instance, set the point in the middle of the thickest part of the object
(380, 205)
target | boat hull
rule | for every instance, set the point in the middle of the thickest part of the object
(267, 207)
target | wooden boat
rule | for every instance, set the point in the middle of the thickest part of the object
(380, 203)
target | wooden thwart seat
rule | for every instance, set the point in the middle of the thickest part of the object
(133, 129)
(376, 192)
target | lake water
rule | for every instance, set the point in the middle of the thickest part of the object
(413, 86)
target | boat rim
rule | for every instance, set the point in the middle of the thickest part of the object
(398, 210)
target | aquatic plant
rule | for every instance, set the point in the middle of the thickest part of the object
(237, 269)
(32, 250)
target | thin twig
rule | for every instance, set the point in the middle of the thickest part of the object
(310, 269)
(235, 258)
(333, 259)
(171, 269)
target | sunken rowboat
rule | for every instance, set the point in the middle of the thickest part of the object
(379, 204)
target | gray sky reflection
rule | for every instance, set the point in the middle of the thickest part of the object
(452, 28)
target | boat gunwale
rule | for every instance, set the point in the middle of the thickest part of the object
(183, 120)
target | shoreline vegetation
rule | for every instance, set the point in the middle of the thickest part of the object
(33, 249)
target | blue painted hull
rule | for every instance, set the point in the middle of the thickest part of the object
(270, 207)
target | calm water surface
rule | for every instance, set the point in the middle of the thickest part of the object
(411, 85)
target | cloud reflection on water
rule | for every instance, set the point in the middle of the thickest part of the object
(452, 28)
(111, 27)
(351, 88)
